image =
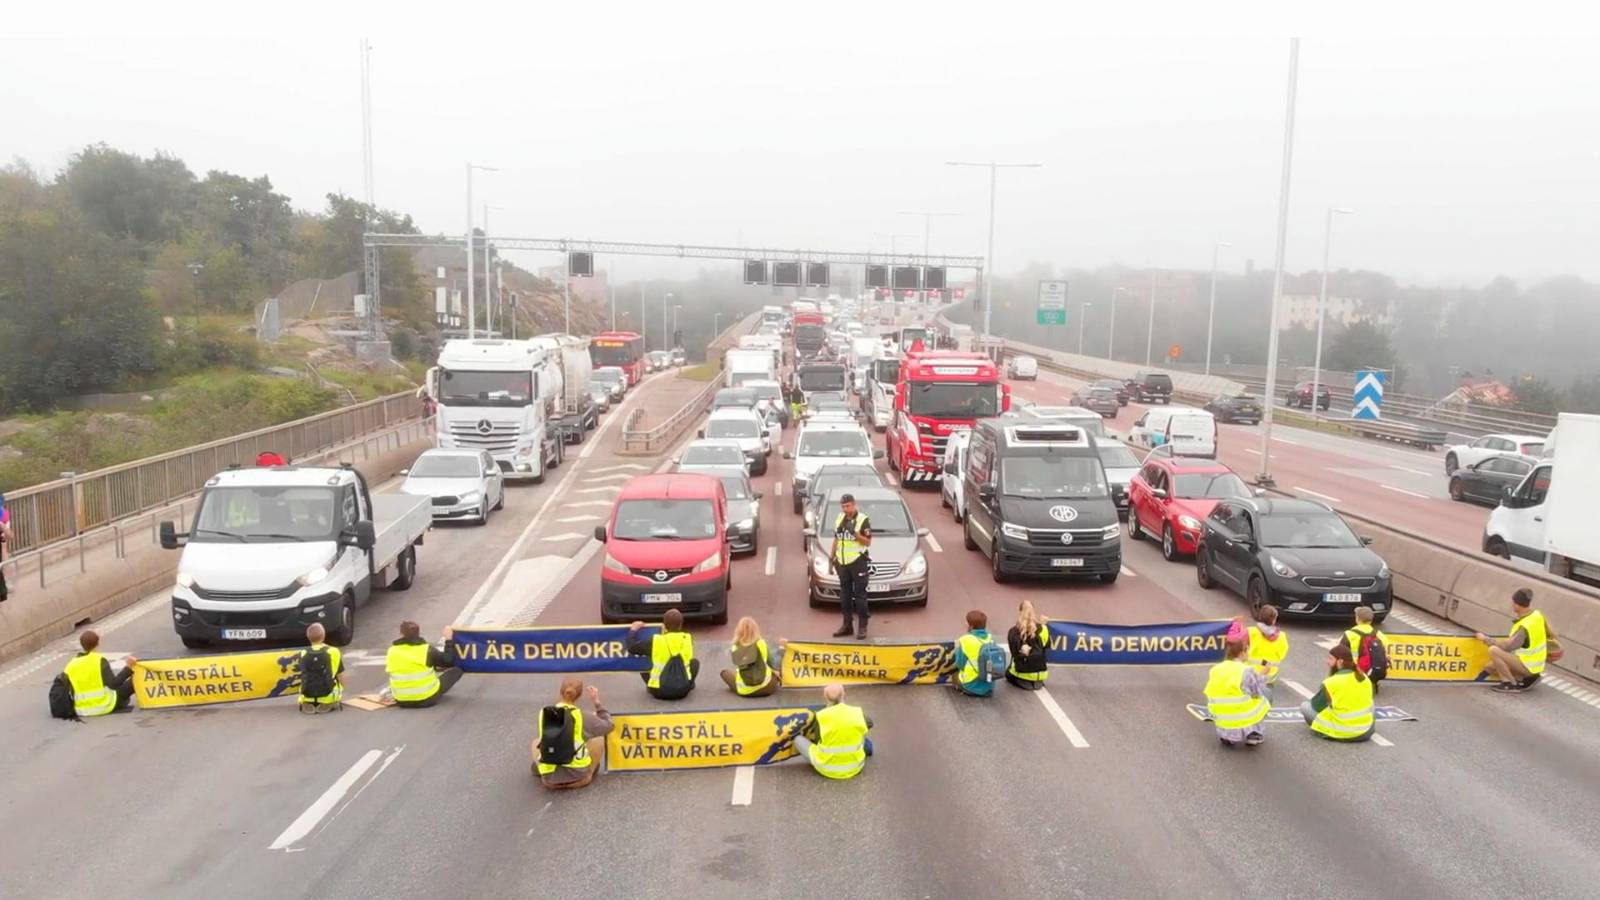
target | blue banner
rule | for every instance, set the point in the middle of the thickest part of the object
(566, 650)
(1162, 644)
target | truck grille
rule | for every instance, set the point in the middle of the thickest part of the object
(1357, 583)
(246, 596)
(1051, 537)
(937, 444)
(884, 569)
(652, 573)
(502, 436)
(445, 501)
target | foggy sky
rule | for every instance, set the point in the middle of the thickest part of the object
(813, 125)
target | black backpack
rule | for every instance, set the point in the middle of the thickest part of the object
(316, 673)
(61, 704)
(556, 746)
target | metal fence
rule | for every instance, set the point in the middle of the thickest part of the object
(63, 509)
(658, 436)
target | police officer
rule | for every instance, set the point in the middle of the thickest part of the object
(852, 535)
(836, 742)
(673, 667)
(419, 673)
(96, 690)
(1520, 658)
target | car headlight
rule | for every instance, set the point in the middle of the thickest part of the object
(615, 566)
(1189, 522)
(184, 580)
(918, 565)
(1383, 572)
(1014, 531)
(470, 497)
(710, 563)
(1281, 569)
(1110, 532)
(745, 525)
(313, 576)
(819, 565)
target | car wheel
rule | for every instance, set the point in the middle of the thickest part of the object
(539, 468)
(405, 571)
(966, 533)
(1169, 546)
(813, 600)
(1497, 547)
(1202, 570)
(1450, 464)
(346, 631)
(1110, 577)
(955, 513)
(1456, 493)
(796, 503)
(483, 517)
(763, 469)
(194, 643)
(1256, 593)
(995, 571)
(1133, 526)
(500, 501)
(944, 499)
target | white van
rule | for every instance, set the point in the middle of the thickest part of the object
(1190, 431)
(1023, 368)
(955, 463)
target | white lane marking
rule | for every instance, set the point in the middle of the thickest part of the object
(609, 489)
(744, 785)
(1298, 688)
(604, 503)
(1128, 572)
(1572, 690)
(933, 543)
(887, 478)
(622, 466)
(1290, 443)
(1247, 449)
(1305, 490)
(535, 608)
(1327, 641)
(777, 487)
(772, 560)
(1419, 624)
(619, 476)
(317, 811)
(1412, 471)
(580, 519)
(563, 536)
(1390, 487)
(1074, 736)
(1381, 741)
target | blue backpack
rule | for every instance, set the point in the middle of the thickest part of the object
(992, 662)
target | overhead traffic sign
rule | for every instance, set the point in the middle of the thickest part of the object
(1366, 401)
(1052, 308)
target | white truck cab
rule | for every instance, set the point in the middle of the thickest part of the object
(500, 396)
(1549, 517)
(951, 493)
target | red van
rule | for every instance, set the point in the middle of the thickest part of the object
(666, 547)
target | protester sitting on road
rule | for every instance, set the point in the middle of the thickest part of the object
(1367, 647)
(1519, 658)
(419, 673)
(1341, 710)
(568, 750)
(673, 667)
(971, 670)
(1029, 639)
(96, 690)
(756, 671)
(1236, 698)
(321, 673)
(1268, 645)
(835, 741)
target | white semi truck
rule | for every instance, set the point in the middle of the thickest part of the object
(740, 366)
(500, 396)
(1549, 517)
(575, 412)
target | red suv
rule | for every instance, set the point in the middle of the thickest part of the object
(1169, 499)
(666, 547)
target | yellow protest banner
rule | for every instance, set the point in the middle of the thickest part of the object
(199, 680)
(641, 742)
(1437, 657)
(814, 664)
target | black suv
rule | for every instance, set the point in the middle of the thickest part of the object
(1243, 408)
(1150, 387)
(1037, 502)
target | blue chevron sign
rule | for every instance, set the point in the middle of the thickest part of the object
(1366, 401)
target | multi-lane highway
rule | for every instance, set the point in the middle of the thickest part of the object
(1103, 786)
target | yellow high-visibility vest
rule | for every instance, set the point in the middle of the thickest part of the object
(91, 696)
(411, 679)
(580, 751)
(841, 747)
(1268, 653)
(1043, 640)
(1230, 706)
(1538, 630)
(846, 549)
(971, 645)
(1349, 714)
(664, 647)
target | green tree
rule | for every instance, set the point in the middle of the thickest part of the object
(1535, 394)
(1362, 345)
(126, 196)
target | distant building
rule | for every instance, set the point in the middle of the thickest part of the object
(1301, 310)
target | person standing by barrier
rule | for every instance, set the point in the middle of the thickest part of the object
(673, 667)
(1341, 710)
(1029, 640)
(976, 669)
(1236, 698)
(569, 751)
(756, 672)
(419, 673)
(5, 539)
(852, 536)
(96, 690)
(1367, 647)
(321, 673)
(835, 741)
(1520, 657)
(1268, 646)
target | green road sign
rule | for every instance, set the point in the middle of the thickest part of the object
(1051, 317)
(1052, 309)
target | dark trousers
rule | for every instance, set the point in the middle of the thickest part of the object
(2, 572)
(853, 591)
(122, 683)
(669, 691)
(447, 680)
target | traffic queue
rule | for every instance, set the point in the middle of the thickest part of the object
(1039, 493)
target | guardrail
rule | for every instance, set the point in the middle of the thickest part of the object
(64, 509)
(1474, 420)
(640, 442)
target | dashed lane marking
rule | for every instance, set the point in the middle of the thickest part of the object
(777, 487)
(563, 536)
(580, 519)
(604, 503)
(1305, 692)
(1412, 471)
(933, 544)
(772, 560)
(744, 785)
(1252, 450)
(1327, 497)
(308, 821)
(609, 489)
(1074, 736)
(1129, 572)
(1390, 487)
(1582, 695)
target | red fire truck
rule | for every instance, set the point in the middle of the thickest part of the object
(939, 392)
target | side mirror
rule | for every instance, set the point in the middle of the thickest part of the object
(809, 532)
(1508, 497)
(1159, 493)
(986, 491)
(788, 455)
(1367, 539)
(1259, 492)
(877, 454)
(756, 494)
(674, 460)
(365, 535)
(169, 536)
(922, 532)
(600, 533)
(405, 471)
(700, 434)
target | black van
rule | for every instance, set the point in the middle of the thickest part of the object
(1036, 500)
(1151, 387)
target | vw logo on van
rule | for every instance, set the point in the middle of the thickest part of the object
(484, 427)
(1063, 513)
(1066, 538)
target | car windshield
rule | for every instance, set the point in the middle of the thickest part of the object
(736, 486)
(665, 520)
(1116, 456)
(1103, 394)
(736, 397)
(827, 480)
(484, 388)
(1209, 485)
(954, 400)
(1053, 477)
(442, 465)
(1306, 530)
(766, 391)
(607, 375)
(886, 370)
(1242, 399)
(265, 514)
(886, 516)
(711, 455)
(834, 443)
(1113, 386)
(1532, 449)
(732, 428)
(822, 379)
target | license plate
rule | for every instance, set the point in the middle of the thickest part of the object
(662, 598)
(1067, 562)
(1341, 598)
(244, 634)
(877, 588)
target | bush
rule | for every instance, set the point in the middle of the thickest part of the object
(214, 345)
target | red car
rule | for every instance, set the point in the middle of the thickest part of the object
(666, 548)
(1169, 499)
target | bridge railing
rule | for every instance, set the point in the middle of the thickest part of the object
(639, 440)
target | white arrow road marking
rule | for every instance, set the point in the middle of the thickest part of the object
(620, 467)
(618, 477)
(609, 489)
(933, 544)
(563, 536)
(1305, 490)
(604, 503)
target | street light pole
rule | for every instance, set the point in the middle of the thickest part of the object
(1111, 330)
(487, 265)
(472, 300)
(1264, 477)
(665, 298)
(1083, 318)
(1150, 336)
(195, 268)
(1322, 304)
(988, 260)
(1211, 314)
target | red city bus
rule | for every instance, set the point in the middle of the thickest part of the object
(623, 349)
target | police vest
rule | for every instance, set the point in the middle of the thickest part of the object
(840, 750)
(1230, 706)
(663, 647)
(1537, 629)
(90, 695)
(1268, 652)
(846, 547)
(971, 645)
(1043, 641)
(411, 679)
(580, 751)
(739, 685)
(1348, 716)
